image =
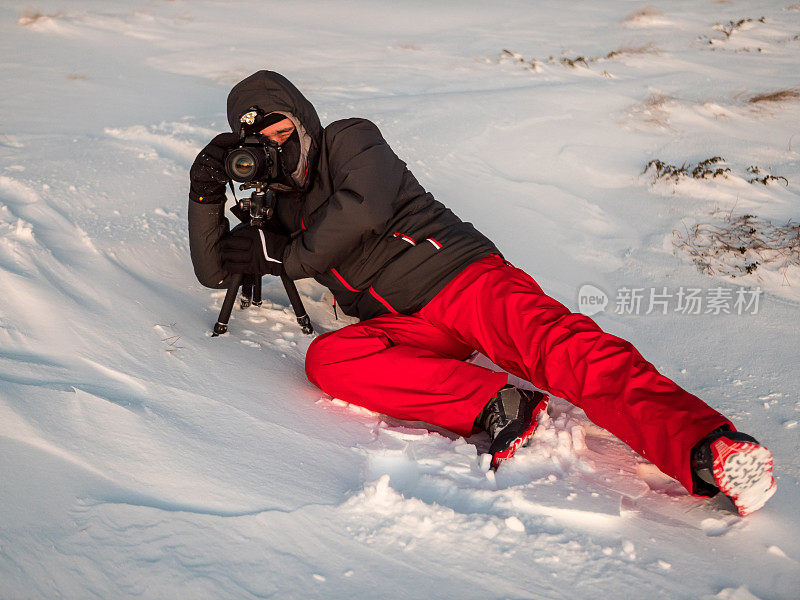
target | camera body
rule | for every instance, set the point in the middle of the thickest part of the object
(253, 159)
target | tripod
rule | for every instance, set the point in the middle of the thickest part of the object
(260, 206)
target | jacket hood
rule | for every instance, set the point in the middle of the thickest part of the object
(273, 93)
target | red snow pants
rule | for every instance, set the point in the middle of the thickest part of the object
(413, 367)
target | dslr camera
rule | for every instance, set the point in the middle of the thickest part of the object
(254, 158)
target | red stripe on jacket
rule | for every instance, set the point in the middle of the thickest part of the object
(343, 282)
(436, 244)
(382, 300)
(406, 238)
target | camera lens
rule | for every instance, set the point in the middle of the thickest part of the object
(252, 160)
(243, 165)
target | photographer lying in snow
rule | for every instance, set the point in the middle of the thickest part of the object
(429, 290)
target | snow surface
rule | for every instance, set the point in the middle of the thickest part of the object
(140, 457)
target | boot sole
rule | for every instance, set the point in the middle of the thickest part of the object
(743, 472)
(522, 439)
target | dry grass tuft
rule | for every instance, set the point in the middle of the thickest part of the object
(642, 14)
(631, 50)
(655, 100)
(531, 64)
(534, 64)
(739, 245)
(619, 52)
(573, 62)
(76, 77)
(29, 18)
(705, 169)
(733, 26)
(652, 110)
(779, 96)
(764, 179)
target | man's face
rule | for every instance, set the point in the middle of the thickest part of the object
(278, 132)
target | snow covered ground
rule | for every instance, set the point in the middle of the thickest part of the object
(140, 457)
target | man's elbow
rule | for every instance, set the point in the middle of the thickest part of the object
(211, 278)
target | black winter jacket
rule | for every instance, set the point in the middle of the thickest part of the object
(361, 224)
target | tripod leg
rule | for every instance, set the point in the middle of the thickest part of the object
(297, 305)
(221, 325)
(247, 291)
(257, 291)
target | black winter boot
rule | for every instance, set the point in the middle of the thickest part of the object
(738, 466)
(510, 418)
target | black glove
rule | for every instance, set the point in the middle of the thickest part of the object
(248, 249)
(207, 176)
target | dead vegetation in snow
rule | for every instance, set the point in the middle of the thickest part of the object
(730, 27)
(787, 95)
(643, 15)
(737, 246)
(745, 35)
(764, 178)
(704, 169)
(535, 64)
(652, 110)
(30, 17)
(710, 168)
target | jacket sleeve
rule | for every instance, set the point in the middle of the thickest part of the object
(207, 224)
(366, 177)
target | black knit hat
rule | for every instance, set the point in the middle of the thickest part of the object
(270, 119)
(260, 120)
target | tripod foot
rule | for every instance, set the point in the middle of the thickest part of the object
(305, 324)
(219, 329)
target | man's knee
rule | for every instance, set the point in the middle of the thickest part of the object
(318, 355)
(342, 350)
